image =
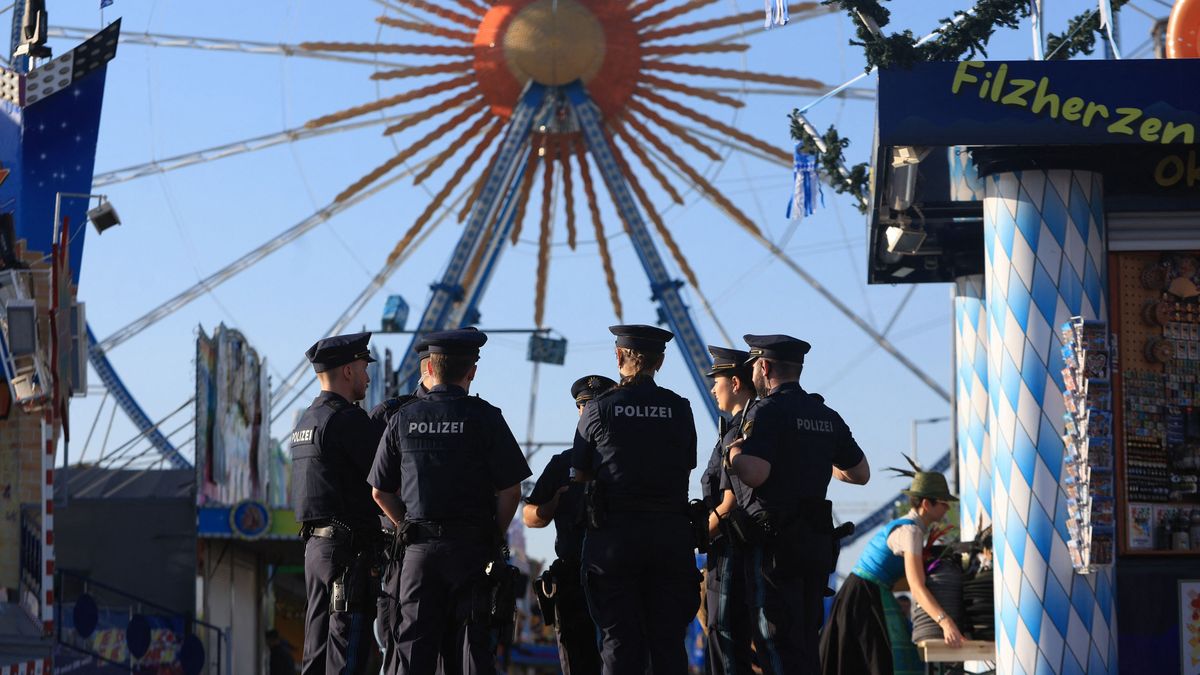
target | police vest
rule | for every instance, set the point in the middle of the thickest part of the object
(331, 447)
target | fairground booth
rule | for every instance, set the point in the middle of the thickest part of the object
(1061, 202)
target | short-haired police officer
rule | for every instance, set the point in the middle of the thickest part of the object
(728, 618)
(458, 470)
(332, 448)
(790, 445)
(637, 442)
(555, 497)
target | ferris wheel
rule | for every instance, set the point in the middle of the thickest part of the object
(513, 117)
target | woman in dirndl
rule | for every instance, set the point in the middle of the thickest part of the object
(867, 634)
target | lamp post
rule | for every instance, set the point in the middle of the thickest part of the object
(931, 420)
(103, 216)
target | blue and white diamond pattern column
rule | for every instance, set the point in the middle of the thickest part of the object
(971, 405)
(1045, 262)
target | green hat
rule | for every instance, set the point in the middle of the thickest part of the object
(930, 485)
(927, 484)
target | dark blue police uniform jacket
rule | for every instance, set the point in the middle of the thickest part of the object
(568, 517)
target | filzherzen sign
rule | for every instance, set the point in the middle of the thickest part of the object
(1041, 103)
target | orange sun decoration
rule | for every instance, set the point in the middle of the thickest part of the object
(628, 59)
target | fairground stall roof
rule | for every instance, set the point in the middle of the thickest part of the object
(940, 126)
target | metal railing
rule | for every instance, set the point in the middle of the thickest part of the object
(172, 635)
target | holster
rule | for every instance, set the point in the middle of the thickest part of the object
(546, 590)
(746, 529)
(494, 599)
(839, 533)
(594, 508)
(804, 542)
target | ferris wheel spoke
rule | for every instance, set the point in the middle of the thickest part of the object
(432, 9)
(651, 212)
(245, 262)
(829, 296)
(416, 71)
(408, 152)
(564, 158)
(695, 178)
(711, 123)
(406, 97)
(414, 238)
(523, 190)
(796, 10)
(426, 28)
(589, 189)
(235, 148)
(634, 105)
(386, 48)
(549, 159)
(680, 50)
(651, 166)
(213, 45)
(454, 146)
(725, 142)
(673, 13)
(852, 93)
(731, 74)
(706, 93)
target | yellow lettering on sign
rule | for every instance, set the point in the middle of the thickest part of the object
(1016, 97)
(1071, 108)
(1149, 130)
(1094, 109)
(1173, 131)
(1169, 171)
(962, 76)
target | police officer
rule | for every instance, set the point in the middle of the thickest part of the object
(636, 443)
(555, 497)
(728, 618)
(452, 461)
(389, 596)
(332, 448)
(791, 443)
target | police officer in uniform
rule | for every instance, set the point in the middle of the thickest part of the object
(728, 619)
(791, 444)
(332, 448)
(636, 444)
(555, 497)
(448, 472)
(389, 596)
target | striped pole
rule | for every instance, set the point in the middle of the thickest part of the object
(1044, 262)
(47, 599)
(971, 405)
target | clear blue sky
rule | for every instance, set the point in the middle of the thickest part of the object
(181, 226)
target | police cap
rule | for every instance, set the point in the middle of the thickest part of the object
(728, 362)
(589, 387)
(642, 338)
(331, 352)
(777, 347)
(460, 342)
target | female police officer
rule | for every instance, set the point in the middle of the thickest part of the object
(728, 624)
(636, 443)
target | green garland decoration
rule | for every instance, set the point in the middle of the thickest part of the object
(965, 34)
(1080, 36)
(858, 182)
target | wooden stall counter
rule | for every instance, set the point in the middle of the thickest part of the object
(938, 655)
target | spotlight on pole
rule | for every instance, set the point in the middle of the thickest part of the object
(103, 216)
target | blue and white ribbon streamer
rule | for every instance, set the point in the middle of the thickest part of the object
(776, 13)
(807, 187)
(1106, 23)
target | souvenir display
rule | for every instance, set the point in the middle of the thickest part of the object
(1088, 460)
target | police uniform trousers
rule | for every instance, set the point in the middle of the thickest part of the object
(729, 631)
(387, 612)
(641, 582)
(337, 643)
(787, 609)
(437, 581)
(578, 653)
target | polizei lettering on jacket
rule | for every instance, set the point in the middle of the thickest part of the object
(662, 411)
(814, 425)
(302, 436)
(436, 427)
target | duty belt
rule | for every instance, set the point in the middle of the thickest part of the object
(418, 531)
(634, 504)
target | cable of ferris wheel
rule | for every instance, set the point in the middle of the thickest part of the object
(95, 421)
(233, 148)
(842, 307)
(246, 261)
(124, 447)
(855, 93)
(359, 302)
(217, 45)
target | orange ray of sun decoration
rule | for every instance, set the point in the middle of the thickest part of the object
(673, 13)
(413, 95)
(543, 264)
(416, 71)
(564, 158)
(730, 74)
(671, 85)
(731, 20)
(443, 13)
(672, 128)
(651, 166)
(453, 147)
(470, 96)
(713, 124)
(710, 48)
(368, 48)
